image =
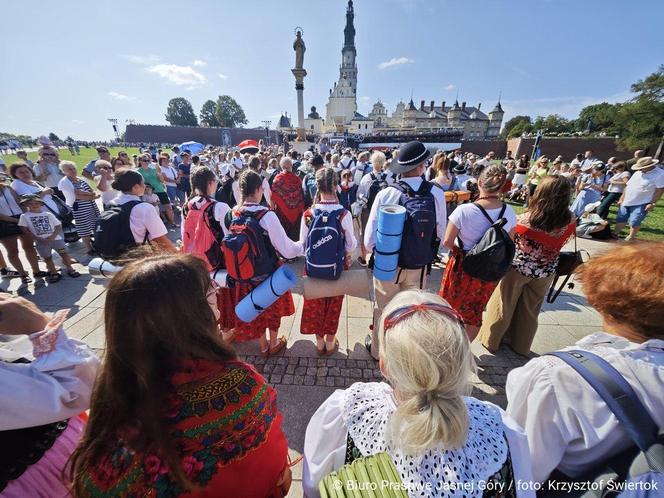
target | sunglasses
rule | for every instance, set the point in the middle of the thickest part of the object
(122, 154)
(48, 155)
(144, 160)
(400, 313)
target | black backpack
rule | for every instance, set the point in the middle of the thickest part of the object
(378, 183)
(492, 256)
(113, 235)
(224, 191)
(418, 240)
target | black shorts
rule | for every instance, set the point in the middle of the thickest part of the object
(9, 229)
(163, 198)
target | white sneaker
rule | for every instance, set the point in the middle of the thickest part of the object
(628, 238)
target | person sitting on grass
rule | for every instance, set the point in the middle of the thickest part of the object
(46, 230)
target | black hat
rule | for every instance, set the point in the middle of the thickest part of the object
(317, 160)
(459, 168)
(101, 148)
(411, 156)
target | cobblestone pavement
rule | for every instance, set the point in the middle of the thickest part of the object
(302, 379)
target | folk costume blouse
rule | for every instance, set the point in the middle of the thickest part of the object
(495, 448)
(537, 251)
(224, 420)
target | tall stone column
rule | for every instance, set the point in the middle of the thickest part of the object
(299, 74)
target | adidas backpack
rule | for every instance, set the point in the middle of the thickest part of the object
(418, 239)
(492, 256)
(202, 234)
(248, 252)
(325, 248)
(113, 235)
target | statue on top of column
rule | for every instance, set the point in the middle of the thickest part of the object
(300, 48)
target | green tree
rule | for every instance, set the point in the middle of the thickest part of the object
(208, 115)
(643, 117)
(53, 137)
(600, 117)
(180, 113)
(520, 122)
(229, 112)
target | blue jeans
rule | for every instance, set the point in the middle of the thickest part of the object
(172, 193)
(633, 215)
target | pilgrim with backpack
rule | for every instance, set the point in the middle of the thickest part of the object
(252, 248)
(203, 231)
(328, 240)
(129, 222)
(479, 236)
(426, 218)
(309, 181)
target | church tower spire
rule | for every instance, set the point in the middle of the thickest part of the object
(342, 104)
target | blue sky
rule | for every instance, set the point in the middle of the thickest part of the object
(67, 66)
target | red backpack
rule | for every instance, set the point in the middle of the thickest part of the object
(202, 234)
(248, 252)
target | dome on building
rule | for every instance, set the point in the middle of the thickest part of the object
(284, 121)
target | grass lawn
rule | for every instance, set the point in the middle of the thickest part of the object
(87, 155)
(651, 229)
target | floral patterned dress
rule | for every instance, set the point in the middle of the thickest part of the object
(224, 421)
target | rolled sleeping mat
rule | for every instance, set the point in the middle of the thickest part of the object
(220, 276)
(391, 219)
(263, 296)
(99, 267)
(457, 196)
(351, 282)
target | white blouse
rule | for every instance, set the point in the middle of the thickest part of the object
(568, 425)
(363, 411)
(55, 386)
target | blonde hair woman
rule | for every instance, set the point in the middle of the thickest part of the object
(439, 439)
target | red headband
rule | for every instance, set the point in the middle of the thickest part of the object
(405, 311)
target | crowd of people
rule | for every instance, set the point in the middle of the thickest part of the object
(173, 410)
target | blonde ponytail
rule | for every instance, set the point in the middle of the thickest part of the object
(427, 359)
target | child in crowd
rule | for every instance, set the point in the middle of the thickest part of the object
(333, 226)
(46, 230)
(150, 197)
(249, 214)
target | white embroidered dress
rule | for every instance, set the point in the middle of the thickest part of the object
(363, 411)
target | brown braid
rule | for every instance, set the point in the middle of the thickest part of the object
(249, 182)
(493, 178)
(326, 181)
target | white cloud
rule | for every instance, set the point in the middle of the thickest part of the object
(450, 87)
(199, 63)
(222, 76)
(120, 96)
(179, 75)
(395, 61)
(142, 60)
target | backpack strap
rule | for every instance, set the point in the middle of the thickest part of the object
(486, 215)
(616, 393)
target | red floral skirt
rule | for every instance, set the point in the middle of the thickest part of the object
(467, 295)
(321, 316)
(268, 319)
(226, 306)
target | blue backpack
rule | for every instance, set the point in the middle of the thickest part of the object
(418, 241)
(325, 248)
(636, 471)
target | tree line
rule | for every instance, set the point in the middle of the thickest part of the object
(224, 112)
(638, 123)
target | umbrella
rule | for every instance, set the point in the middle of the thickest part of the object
(248, 147)
(191, 147)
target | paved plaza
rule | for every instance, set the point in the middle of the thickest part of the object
(304, 380)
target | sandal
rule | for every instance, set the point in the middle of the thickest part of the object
(330, 352)
(281, 344)
(265, 352)
(6, 273)
(41, 274)
(320, 352)
(53, 277)
(73, 273)
(26, 279)
(362, 261)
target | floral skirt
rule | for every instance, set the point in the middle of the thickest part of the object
(268, 319)
(321, 316)
(467, 295)
(226, 306)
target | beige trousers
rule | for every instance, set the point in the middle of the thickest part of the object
(512, 312)
(385, 291)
